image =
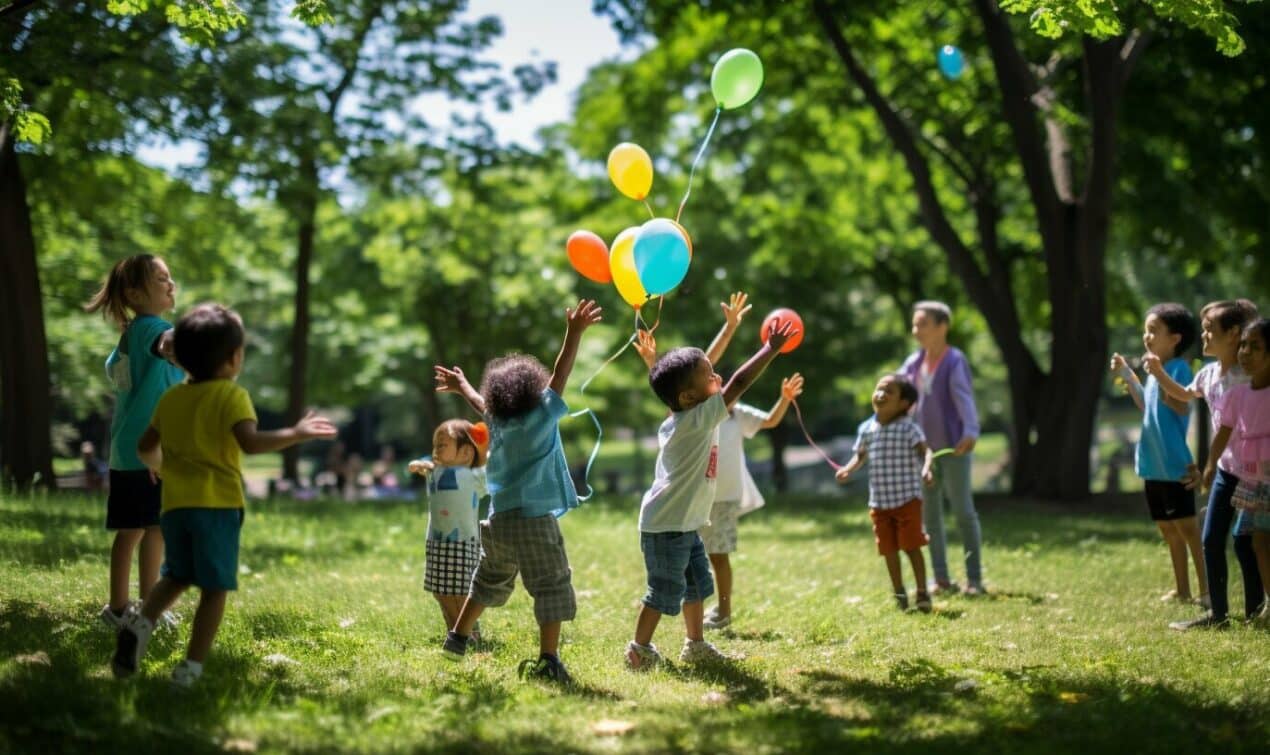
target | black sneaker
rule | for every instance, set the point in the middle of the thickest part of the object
(1207, 621)
(547, 667)
(455, 646)
(901, 600)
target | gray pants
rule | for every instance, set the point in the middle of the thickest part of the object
(952, 484)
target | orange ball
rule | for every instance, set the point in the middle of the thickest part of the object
(780, 317)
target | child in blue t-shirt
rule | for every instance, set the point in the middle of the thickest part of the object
(1163, 460)
(530, 487)
(456, 485)
(136, 292)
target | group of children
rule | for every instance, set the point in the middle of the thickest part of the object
(1237, 473)
(182, 423)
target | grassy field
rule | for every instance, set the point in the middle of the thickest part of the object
(331, 645)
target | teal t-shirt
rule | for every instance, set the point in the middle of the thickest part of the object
(139, 377)
(526, 469)
(1162, 451)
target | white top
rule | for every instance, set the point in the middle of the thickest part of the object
(454, 498)
(734, 482)
(687, 466)
(1212, 384)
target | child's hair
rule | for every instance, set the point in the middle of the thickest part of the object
(1231, 313)
(908, 391)
(206, 338)
(1262, 326)
(474, 435)
(1179, 321)
(938, 311)
(512, 385)
(112, 298)
(673, 373)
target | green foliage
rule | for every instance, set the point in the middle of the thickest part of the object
(1102, 19)
(331, 644)
(28, 126)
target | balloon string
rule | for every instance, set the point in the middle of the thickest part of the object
(697, 159)
(799, 414)
(595, 450)
(607, 362)
(649, 207)
(639, 320)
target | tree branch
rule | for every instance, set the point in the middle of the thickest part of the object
(1130, 53)
(1058, 145)
(351, 67)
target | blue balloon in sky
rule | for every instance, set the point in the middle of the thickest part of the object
(951, 61)
(661, 256)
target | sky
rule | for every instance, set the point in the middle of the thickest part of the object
(564, 31)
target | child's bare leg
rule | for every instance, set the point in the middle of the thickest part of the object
(897, 576)
(646, 624)
(694, 620)
(918, 561)
(121, 566)
(549, 638)
(1261, 547)
(162, 596)
(211, 609)
(1177, 554)
(451, 606)
(468, 615)
(150, 559)
(722, 566)
(1189, 531)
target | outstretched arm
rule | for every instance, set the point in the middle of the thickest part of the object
(1171, 388)
(577, 319)
(452, 380)
(1120, 368)
(733, 310)
(777, 335)
(791, 388)
(857, 461)
(254, 441)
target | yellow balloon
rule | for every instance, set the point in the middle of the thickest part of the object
(622, 264)
(631, 170)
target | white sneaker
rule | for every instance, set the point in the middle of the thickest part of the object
(714, 621)
(641, 657)
(186, 673)
(130, 644)
(112, 621)
(1262, 619)
(700, 651)
(168, 620)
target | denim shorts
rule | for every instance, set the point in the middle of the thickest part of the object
(200, 547)
(678, 570)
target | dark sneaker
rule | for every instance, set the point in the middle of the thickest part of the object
(455, 646)
(1207, 621)
(547, 667)
(901, 600)
(130, 645)
(923, 602)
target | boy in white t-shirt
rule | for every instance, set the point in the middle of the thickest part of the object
(678, 503)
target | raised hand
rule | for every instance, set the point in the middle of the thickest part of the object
(646, 345)
(421, 467)
(583, 316)
(313, 425)
(1118, 363)
(735, 308)
(1151, 363)
(449, 380)
(792, 387)
(779, 333)
(842, 475)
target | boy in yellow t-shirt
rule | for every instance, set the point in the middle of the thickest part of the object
(194, 442)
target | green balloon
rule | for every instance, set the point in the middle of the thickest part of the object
(737, 77)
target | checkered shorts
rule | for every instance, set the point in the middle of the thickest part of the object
(1251, 495)
(533, 547)
(448, 566)
(719, 535)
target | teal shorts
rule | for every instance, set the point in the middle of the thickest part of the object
(200, 547)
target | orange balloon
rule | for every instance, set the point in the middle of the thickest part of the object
(780, 317)
(589, 255)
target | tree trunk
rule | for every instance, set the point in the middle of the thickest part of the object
(298, 386)
(26, 449)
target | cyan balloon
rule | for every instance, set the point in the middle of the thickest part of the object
(661, 256)
(951, 61)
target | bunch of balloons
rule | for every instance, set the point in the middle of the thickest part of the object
(651, 259)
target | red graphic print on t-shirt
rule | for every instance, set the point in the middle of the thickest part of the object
(712, 468)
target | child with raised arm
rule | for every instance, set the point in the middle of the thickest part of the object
(134, 297)
(530, 487)
(455, 485)
(678, 503)
(894, 447)
(1245, 426)
(736, 494)
(1163, 459)
(195, 443)
(1221, 324)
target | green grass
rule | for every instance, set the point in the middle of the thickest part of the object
(331, 645)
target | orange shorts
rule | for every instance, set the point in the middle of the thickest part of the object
(899, 529)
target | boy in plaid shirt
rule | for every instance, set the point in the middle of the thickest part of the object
(901, 461)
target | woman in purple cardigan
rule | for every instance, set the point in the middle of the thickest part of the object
(946, 413)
